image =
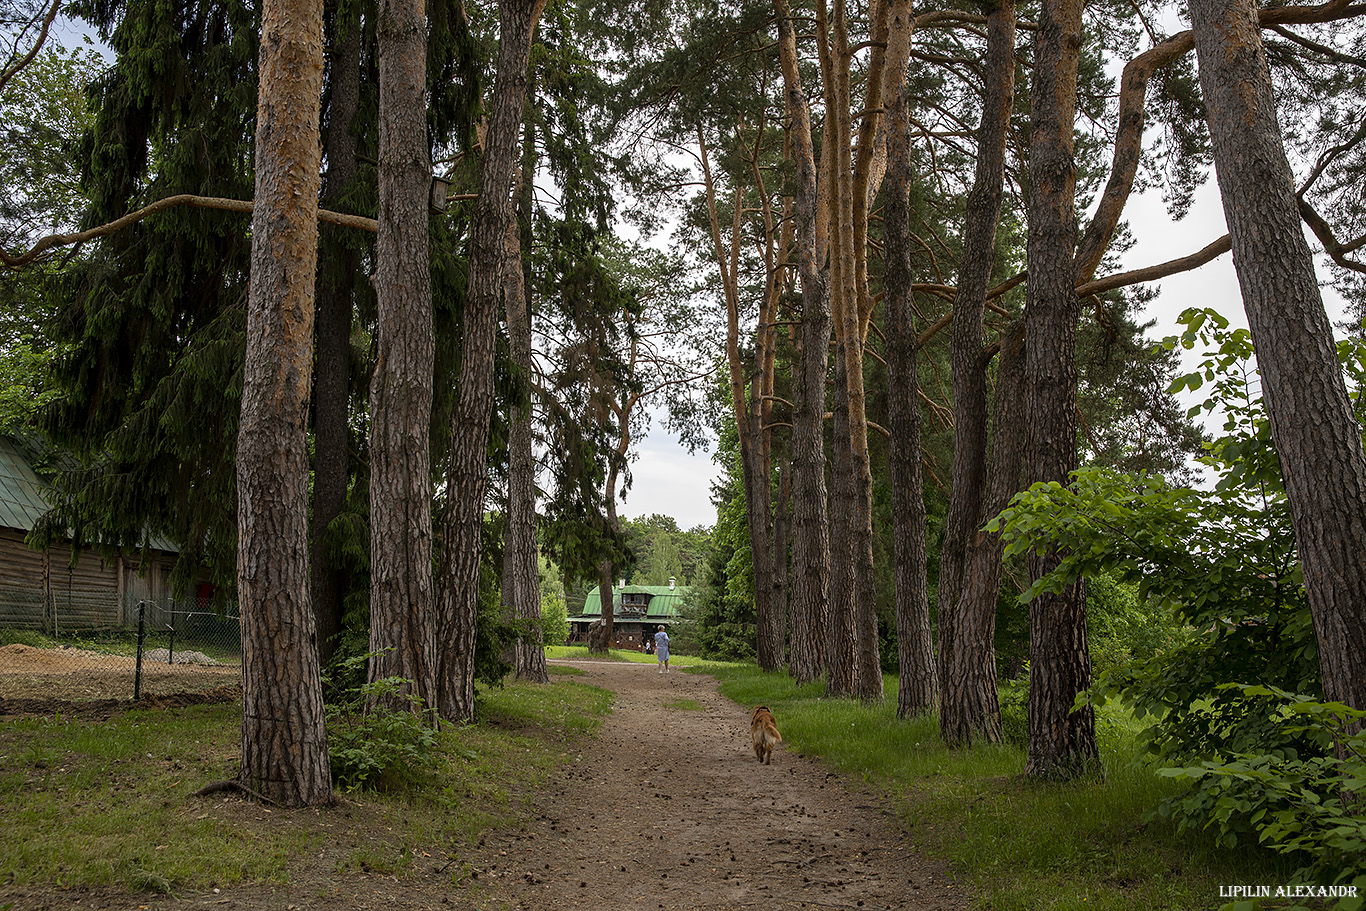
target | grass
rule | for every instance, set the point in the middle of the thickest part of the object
(98, 804)
(1018, 844)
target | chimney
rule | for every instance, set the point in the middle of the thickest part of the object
(671, 583)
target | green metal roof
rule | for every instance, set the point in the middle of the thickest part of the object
(21, 490)
(663, 603)
(22, 501)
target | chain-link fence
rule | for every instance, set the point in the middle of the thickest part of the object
(80, 646)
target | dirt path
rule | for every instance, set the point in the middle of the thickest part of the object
(669, 809)
(666, 810)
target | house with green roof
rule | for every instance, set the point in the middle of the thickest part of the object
(637, 612)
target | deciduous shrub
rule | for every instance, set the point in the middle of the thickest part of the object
(371, 744)
(1303, 804)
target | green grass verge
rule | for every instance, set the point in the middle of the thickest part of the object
(97, 804)
(1018, 844)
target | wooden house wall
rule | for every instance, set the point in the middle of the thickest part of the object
(21, 582)
(37, 588)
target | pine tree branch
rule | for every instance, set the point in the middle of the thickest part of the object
(56, 241)
(10, 71)
(1331, 245)
(1161, 270)
(1138, 72)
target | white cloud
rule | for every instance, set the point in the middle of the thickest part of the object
(667, 480)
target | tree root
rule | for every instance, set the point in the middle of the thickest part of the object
(230, 784)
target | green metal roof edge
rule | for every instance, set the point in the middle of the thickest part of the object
(22, 494)
(663, 605)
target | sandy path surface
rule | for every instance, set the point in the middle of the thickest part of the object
(669, 809)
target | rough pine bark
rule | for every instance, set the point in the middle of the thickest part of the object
(521, 594)
(284, 739)
(467, 468)
(918, 690)
(337, 270)
(841, 643)
(810, 575)
(969, 708)
(1316, 436)
(402, 601)
(782, 526)
(1062, 743)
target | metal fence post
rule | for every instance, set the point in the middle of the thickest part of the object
(170, 642)
(137, 674)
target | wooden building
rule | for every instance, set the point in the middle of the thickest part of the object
(637, 612)
(50, 591)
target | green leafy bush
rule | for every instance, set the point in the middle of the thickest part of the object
(371, 744)
(1293, 803)
(1015, 709)
(554, 612)
(1124, 627)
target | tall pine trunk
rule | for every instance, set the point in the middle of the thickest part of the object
(1316, 436)
(402, 604)
(810, 575)
(337, 271)
(841, 643)
(284, 740)
(748, 404)
(756, 450)
(969, 708)
(1062, 743)
(467, 470)
(918, 689)
(521, 594)
(855, 518)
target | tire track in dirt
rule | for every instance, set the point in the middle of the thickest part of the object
(668, 809)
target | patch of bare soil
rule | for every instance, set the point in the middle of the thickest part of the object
(62, 675)
(666, 809)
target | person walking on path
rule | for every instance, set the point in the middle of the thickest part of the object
(662, 649)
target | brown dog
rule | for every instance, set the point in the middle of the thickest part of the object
(765, 734)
